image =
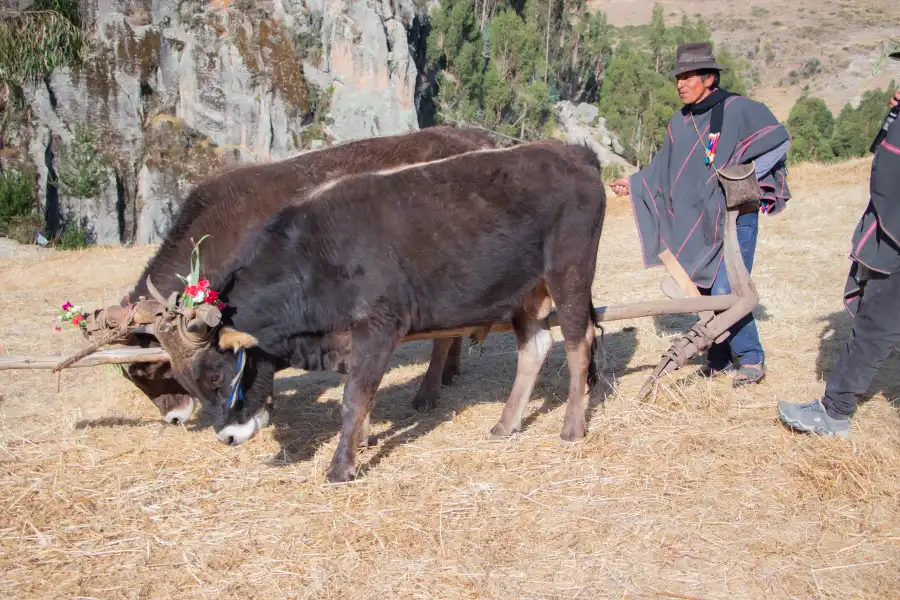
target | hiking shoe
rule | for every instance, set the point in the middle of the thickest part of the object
(811, 417)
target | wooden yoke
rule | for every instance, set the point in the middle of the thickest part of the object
(741, 188)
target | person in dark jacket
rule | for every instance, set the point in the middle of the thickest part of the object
(871, 295)
(679, 203)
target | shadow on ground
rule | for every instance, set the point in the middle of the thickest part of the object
(835, 332)
(114, 422)
(308, 406)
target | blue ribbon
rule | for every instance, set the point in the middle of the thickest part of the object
(237, 392)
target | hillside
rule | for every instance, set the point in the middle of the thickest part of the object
(829, 45)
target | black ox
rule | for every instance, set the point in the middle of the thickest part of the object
(231, 206)
(486, 236)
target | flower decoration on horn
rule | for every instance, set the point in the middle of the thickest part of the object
(70, 315)
(196, 290)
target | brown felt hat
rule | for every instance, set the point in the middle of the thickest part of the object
(695, 56)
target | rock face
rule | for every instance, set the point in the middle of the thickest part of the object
(583, 123)
(176, 89)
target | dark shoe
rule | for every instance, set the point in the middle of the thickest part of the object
(749, 374)
(709, 371)
(813, 418)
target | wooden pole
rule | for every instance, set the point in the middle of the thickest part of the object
(616, 312)
(103, 357)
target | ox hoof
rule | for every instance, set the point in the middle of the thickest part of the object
(341, 472)
(500, 432)
(572, 434)
(425, 402)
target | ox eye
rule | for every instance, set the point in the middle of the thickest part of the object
(215, 378)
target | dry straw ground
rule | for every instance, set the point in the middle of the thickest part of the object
(696, 493)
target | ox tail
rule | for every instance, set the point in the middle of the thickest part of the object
(597, 362)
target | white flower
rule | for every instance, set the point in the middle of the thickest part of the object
(199, 297)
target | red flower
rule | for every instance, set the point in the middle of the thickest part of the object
(221, 305)
(212, 297)
(203, 285)
(57, 328)
(77, 319)
(67, 305)
(191, 290)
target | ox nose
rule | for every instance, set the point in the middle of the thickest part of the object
(182, 414)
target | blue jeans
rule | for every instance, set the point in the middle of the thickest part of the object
(744, 337)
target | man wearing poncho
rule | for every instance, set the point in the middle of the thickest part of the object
(679, 203)
(871, 295)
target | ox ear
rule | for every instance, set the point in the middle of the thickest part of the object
(234, 340)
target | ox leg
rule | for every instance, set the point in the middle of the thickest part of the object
(451, 368)
(369, 357)
(572, 292)
(534, 342)
(430, 390)
(579, 355)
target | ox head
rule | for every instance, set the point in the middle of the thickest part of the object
(220, 366)
(155, 379)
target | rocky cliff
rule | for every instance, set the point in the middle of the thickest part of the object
(173, 90)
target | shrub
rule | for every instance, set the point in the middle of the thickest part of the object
(19, 215)
(72, 238)
(82, 170)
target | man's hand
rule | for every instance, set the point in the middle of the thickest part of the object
(895, 100)
(621, 187)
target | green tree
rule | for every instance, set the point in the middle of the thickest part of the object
(811, 125)
(657, 35)
(581, 62)
(82, 171)
(640, 104)
(849, 138)
(854, 129)
(503, 66)
(734, 78)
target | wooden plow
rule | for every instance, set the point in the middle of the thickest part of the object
(717, 313)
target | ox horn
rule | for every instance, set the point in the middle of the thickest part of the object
(155, 292)
(169, 304)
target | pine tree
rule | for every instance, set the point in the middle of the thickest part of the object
(657, 35)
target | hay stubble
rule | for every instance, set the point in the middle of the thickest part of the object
(697, 492)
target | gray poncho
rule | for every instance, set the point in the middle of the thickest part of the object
(677, 199)
(876, 240)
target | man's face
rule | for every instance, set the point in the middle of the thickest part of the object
(692, 88)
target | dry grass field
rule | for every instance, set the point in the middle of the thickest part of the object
(695, 493)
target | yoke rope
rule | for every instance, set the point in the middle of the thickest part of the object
(110, 336)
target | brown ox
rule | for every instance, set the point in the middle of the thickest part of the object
(232, 205)
(483, 237)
